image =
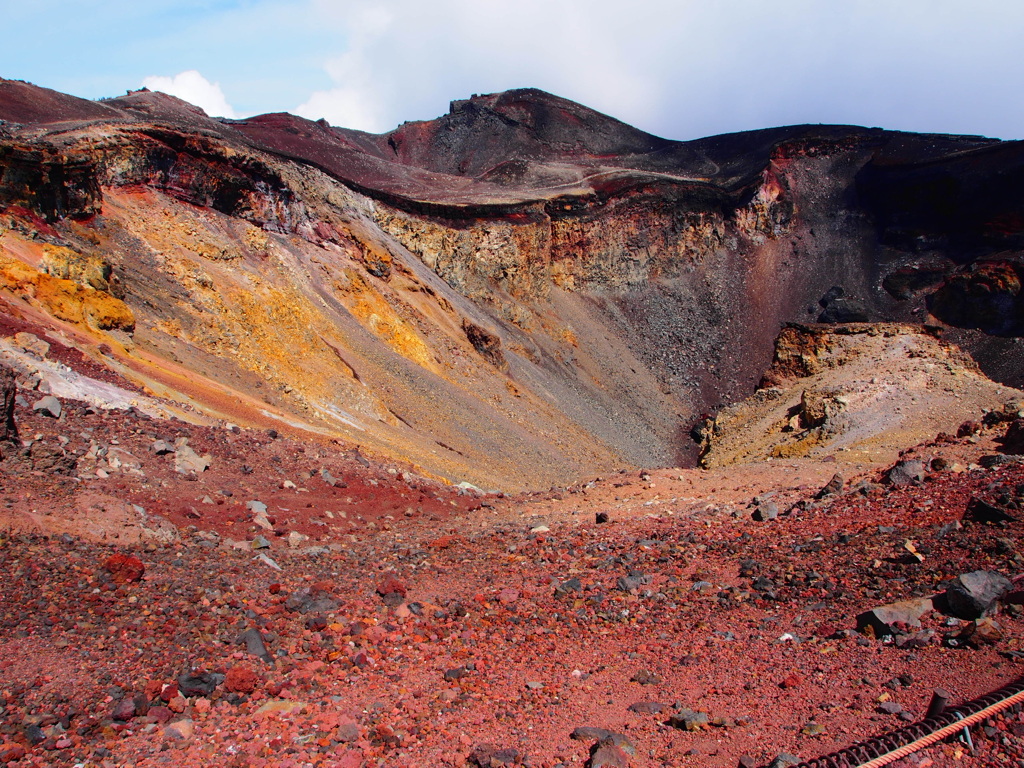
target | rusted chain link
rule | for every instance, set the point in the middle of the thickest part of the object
(883, 750)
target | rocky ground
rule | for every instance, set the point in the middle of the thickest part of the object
(158, 613)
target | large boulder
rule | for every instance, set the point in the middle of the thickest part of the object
(973, 595)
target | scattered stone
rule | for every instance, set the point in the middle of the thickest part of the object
(281, 707)
(1013, 441)
(765, 511)
(490, 756)
(647, 707)
(455, 673)
(161, 447)
(906, 472)
(179, 730)
(568, 586)
(296, 539)
(124, 710)
(973, 595)
(689, 720)
(980, 511)
(348, 730)
(601, 517)
(8, 396)
(590, 733)
(982, 632)
(48, 406)
(199, 684)
(241, 679)
(831, 488)
(605, 754)
(392, 588)
(645, 677)
(187, 461)
(813, 729)
(884, 620)
(312, 601)
(260, 542)
(890, 707)
(124, 569)
(784, 760)
(632, 582)
(792, 680)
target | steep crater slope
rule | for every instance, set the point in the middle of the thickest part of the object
(517, 294)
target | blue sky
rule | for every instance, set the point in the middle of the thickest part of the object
(678, 68)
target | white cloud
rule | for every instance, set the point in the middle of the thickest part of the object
(195, 89)
(679, 68)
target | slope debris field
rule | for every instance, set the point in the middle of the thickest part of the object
(514, 437)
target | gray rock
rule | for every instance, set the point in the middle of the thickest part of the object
(831, 488)
(603, 735)
(784, 760)
(973, 595)
(605, 754)
(568, 586)
(647, 707)
(882, 618)
(765, 510)
(633, 582)
(254, 644)
(689, 720)
(980, 511)
(187, 461)
(48, 406)
(161, 447)
(200, 684)
(906, 473)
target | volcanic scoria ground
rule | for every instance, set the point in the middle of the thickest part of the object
(368, 616)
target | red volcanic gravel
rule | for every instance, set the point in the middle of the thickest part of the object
(477, 628)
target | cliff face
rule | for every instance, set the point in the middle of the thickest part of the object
(519, 293)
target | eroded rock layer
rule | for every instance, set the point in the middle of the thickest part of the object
(516, 294)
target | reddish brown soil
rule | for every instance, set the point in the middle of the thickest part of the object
(370, 674)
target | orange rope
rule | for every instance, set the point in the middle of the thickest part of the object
(943, 732)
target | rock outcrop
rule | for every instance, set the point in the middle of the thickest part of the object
(519, 293)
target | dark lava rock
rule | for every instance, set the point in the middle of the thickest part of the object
(633, 581)
(980, 511)
(689, 720)
(647, 707)
(973, 595)
(603, 735)
(124, 710)
(490, 756)
(305, 601)
(455, 673)
(906, 473)
(845, 310)
(392, 585)
(8, 392)
(601, 517)
(254, 644)
(199, 684)
(568, 586)
(605, 754)
(834, 486)
(1012, 442)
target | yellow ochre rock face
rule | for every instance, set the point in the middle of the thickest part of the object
(66, 299)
